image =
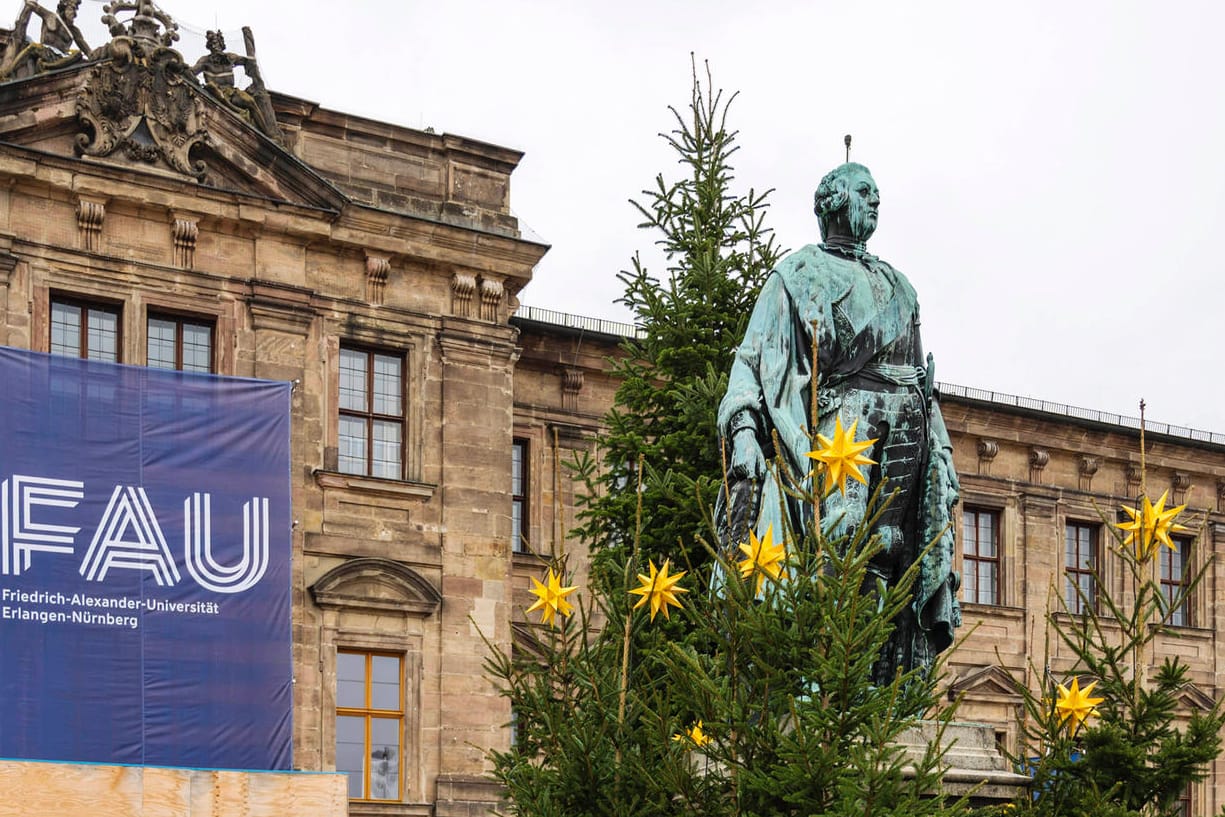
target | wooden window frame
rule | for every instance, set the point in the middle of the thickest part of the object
(85, 305)
(369, 416)
(1186, 801)
(520, 543)
(179, 320)
(972, 560)
(1090, 567)
(1170, 587)
(369, 714)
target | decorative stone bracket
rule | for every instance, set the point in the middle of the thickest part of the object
(488, 293)
(1180, 483)
(571, 385)
(987, 451)
(1088, 467)
(1039, 458)
(491, 298)
(1133, 479)
(90, 215)
(378, 268)
(185, 232)
(463, 286)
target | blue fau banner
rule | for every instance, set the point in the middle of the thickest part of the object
(144, 566)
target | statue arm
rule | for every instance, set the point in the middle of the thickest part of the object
(23, 18)
(743, 414)
(79, 39)
(251, 67)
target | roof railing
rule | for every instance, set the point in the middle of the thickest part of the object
(1092, 415)
(627, 330)
(555, 318)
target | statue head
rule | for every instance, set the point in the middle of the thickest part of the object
(215, 41)
(846, 203)
(67, 9)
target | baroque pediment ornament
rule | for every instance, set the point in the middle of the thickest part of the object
(142, 100)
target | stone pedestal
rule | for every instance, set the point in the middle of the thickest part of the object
(975, 763)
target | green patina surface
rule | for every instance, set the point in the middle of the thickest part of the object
(870, 368)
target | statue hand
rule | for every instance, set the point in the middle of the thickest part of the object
(747, 460)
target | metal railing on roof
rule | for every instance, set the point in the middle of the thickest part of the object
(626, 330)
(555, 318)
(1092, 415)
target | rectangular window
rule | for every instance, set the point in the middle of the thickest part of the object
(980, 550)
(1174, 578)
(185, 344)
(371, 413)
(370, 723)
(518, 497)
(80, 329)
(1183, 806)
(1080, 566)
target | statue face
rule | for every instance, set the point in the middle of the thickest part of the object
(862, 204)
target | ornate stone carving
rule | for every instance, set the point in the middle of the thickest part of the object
(185, 232)
(253, 104)
(491, 298)
(1088, 466)
(463, 287)
(987, 451)
(1133, 479)
(90, 214)
(54, 49)
(571, 385)
(142, 100)
(378, 267)
(1039, 458)
(1180, 482)
(1220, 495)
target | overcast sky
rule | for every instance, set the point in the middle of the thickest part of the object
(1052, 173)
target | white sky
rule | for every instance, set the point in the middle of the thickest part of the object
(1051, 172)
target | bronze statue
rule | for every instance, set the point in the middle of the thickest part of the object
(870, 369)
(54, 48)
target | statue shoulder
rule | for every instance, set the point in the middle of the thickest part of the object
(900, 280)
(811, 270)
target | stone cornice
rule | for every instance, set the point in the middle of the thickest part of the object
(383, 230)
(373, 486)
(281, 308)
(356, 227)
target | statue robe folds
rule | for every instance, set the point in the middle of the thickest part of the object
(870, 369)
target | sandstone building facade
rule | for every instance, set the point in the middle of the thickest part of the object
(146, 219)
(378, 269)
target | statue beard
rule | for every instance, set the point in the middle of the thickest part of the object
(860, 219)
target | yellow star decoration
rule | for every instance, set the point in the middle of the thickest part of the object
(694, 734)
(842, 456)
(551, 598)
(762, 557)
(1075, 706)
(660, 588)
(1151, 526)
